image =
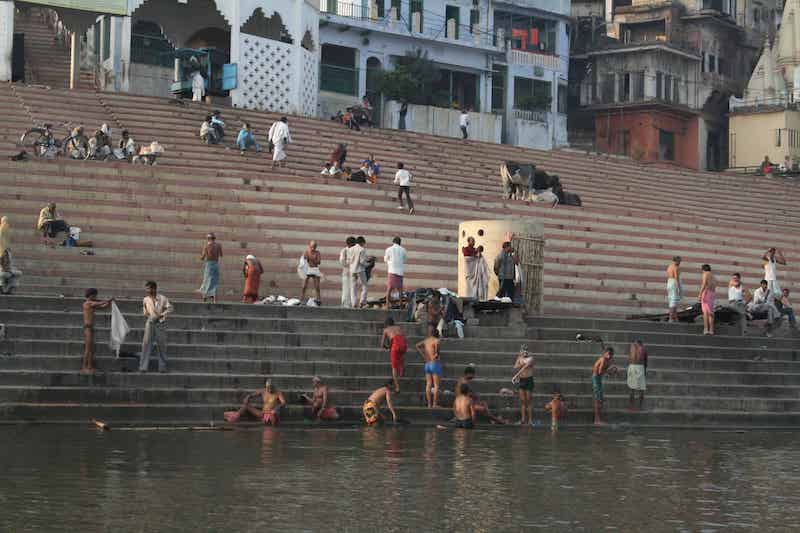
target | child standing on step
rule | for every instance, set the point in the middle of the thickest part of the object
(557, 409)
(89, 305)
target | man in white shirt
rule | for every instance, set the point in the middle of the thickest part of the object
(395, 259)
(772, 259)
(463, 121)
(737, 299)
(764, 302)
(155, 307)
(403, 179)
(279, 137)
(356, 263)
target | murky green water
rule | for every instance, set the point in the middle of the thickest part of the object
(407, 479)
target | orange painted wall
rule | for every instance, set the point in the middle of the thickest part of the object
(643, 127)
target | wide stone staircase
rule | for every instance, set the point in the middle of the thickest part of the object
(219, 352)
(605, 258)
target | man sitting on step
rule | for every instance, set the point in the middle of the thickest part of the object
(207, 133)
(763, 305)
(272, 402)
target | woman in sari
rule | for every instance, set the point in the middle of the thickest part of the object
(252, 279)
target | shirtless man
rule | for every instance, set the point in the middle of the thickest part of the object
(637, 368)
(320, 408)
(212, 252)
(89, 305)
(524, 381)
(314, 259)
(372, 407)
(463, 411)
(429, 350)
(557, 409)
(600, 368)
(394, 340)
(478, 405)
(674, 289)
(272, 400)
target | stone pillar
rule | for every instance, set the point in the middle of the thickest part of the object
(6, 38)
(123, 58)
(176, 73)
(75, 60)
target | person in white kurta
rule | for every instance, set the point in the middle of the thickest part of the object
(198, 86)
(279, 136)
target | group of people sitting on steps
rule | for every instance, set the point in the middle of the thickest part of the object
(368, 171)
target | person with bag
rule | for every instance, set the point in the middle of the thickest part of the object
(89, 305)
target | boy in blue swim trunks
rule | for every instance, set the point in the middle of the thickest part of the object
(429, 350)
(600, 368)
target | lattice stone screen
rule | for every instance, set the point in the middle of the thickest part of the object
(309, 83)
(265, 74)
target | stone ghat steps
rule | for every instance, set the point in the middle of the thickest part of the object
(561, 287)
(577, 394)
(494, 371)
(370, 377)
(477, 350)
(170, 415)
(185, 128)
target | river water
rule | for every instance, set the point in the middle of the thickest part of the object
(397, 479)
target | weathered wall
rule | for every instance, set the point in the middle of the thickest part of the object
(150, 80)
(440, 121)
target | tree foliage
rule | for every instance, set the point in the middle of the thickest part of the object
(412, 80)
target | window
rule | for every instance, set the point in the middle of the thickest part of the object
(562, 99)
(625, 87)
(531, 94)
(415, 6)
(722, 65)
(666, 145)
(676, 97)
(638, 85)
(97, 42)
(106, 37)
(526, 33)
(499, 87)
(777, 138)
(712, 63)
(703, 62)
(659, 85)
(668, 88)
(451, 12)
(622, 143)
(149, 46)
(338, 71)
(474, 20)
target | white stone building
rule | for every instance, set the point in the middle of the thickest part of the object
(506, 60)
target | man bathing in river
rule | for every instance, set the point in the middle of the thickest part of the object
(321, 409)
(637, 368)
(463, 409)
(429, 350)
(478, 405)
(524, 381)
(89, 305)
(272, 400)
(600, 368)
(393, 339)
(372, 407)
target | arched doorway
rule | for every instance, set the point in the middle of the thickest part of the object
(374, 70)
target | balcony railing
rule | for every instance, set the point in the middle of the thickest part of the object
(533, 115)
(518, 57)
(349, 9)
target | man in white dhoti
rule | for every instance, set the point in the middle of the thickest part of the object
(278, 138)
(346, 278)
(198, 86)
